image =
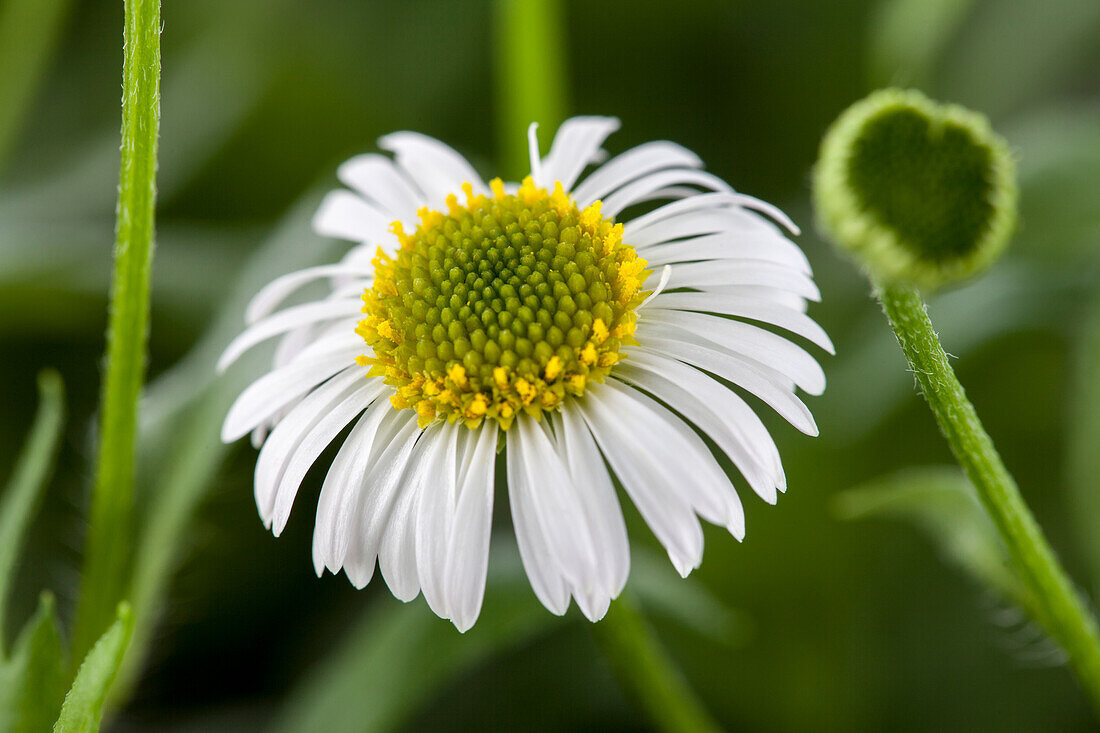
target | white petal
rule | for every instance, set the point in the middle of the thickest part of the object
(436, 169)
(344, 215)
(576, 144)
(754, 309)
(542, 570)
(637, 190)
(313, 443)
(468, 556)
(768, 349)
(633, 164)
(346, 480)
(397, 554)
(275, 390)
(290, 431)
(339, 492)
(590, 476)
(687, 460)
(276, 291)
(723, 201)
(744, 272)
(285, 320)
(727, 246)
(435, 516)
(715, 409)
(376, 177)
(748, 236)
(554, 503)
(376, 500)
(741, 373)
(645, 476)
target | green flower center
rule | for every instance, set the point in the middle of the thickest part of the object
(507, 304)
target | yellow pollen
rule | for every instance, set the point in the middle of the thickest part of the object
(599, 330)
(553, 368)
(457, 374)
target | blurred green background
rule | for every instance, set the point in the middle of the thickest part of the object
(815, 622)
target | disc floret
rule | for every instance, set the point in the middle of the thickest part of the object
(509, 303)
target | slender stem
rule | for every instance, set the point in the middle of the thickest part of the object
(29, 30)
(1060, 608)
(111, 530)
(531, 75)
(647, 673)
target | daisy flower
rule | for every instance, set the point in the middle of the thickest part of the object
(475, 319)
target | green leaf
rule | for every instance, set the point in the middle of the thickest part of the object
(32, 682)
(941, 502)
(29, 480)
(83, 706)
(1083, 435)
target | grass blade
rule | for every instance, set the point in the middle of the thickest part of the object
(32, 682)
(31, 475)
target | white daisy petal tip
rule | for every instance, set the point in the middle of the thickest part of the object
(410, 491)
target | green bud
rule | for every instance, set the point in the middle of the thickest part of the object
(918, 192)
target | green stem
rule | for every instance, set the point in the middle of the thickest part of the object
(109, 536)
(1060, 608)
(29, 30)
(648, 675)
(531, 75)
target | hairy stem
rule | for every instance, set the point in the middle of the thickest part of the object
(110, 532)
(1059, 607)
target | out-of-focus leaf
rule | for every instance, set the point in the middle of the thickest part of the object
(31, 475)
(29, 30)
(941, 501)
(54, 275)
(1083, 435)
(211, 105)
(83, 706)
(1014, 51)
(1059, 171)
(869, 381)
(32, 682)
(688, 603)
(398, 657)
(907, 36)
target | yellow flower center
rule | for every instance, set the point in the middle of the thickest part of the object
(507, 304)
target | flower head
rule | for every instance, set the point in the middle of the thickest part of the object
(473, 318)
